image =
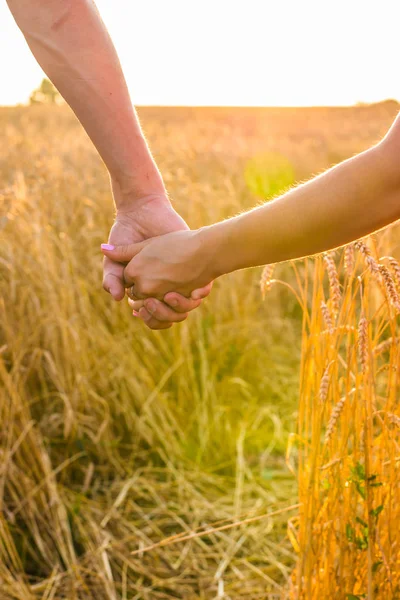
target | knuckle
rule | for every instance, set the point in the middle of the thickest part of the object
(156, 313)
(128, 275)
(146, 289)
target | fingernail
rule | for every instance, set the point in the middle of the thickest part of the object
(173, 302)
(150, 305)
(135, 313)
(107, 247)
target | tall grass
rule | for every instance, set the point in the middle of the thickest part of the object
(142, 465)
(113, 437)
(346, 448)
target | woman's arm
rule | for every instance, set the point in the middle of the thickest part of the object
(349, 201)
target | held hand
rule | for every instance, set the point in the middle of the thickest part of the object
(179, 262)
(143, 219)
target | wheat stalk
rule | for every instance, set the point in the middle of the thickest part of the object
(363, 342)
(327, 317)
(334, 417)
(396, 269)
(336, 412)
(333, 282)
(385, 345)
(372, 264)
(266, 279)
(324, 385)
(390, 287)
(349, 259)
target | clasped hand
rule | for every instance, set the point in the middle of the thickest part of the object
(136, 228)
(175, 262)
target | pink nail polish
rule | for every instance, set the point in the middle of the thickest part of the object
(135, 313)
(107, 247)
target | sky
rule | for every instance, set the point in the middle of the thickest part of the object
(236, 52)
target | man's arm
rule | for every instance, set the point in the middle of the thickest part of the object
(72, 45)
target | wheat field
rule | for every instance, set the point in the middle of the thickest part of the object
(250, 452)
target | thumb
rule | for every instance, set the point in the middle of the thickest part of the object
(122, 254)
(113, 279)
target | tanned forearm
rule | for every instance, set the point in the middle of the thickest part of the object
(347, 202)
(72, 45)
(353, 199)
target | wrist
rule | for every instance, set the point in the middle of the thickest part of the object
(129, 192)
(214, 249)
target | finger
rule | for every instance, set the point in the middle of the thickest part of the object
(202, 292)
(135, 304)
(113, 279)
(122, 254)
(151, 322)
(179, 303)
(161, 312)
(129, 279)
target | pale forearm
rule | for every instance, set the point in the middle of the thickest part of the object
(354, 199)
(72, 45)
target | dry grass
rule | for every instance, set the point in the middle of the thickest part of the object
(114, 439)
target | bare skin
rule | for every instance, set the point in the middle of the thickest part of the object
(355, 198)
(72, 45)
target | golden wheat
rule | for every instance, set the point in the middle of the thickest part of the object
(349, 259)
(151, 466)
(333, 282)
(327, 317)
(266, 279)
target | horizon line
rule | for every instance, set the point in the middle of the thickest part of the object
(357, 104)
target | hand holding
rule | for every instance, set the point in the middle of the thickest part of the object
(177, 262)
(135, 222)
